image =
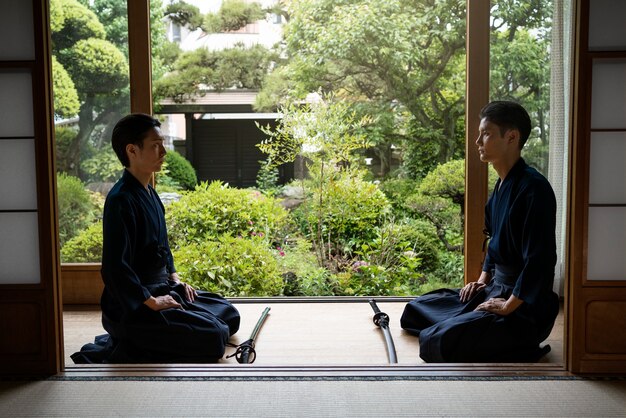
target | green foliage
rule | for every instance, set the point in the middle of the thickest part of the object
(86, 247)
(342, 210)
(301, 272)
(233, 15)
(327, 130)
(386, 265)
(103, 167)
(63, 139)
(76, 208)
(238, 67)
(180, 170)
(73, 21)
(95, 59)
(443, 214)
(231, 266)
(405, 56)
(446, 180)
(450, 270)
(66, 102)
(184, 14)
(215, 209)
(267, 178)
(397, 190)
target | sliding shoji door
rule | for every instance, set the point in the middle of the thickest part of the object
(597, 320)
(30, 325)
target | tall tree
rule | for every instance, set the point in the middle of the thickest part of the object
(194, 72)
(90, 43)
(406, 59)
(392, 54)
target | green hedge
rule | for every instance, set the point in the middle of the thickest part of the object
(180, 170)
(77, 209)
(230, 266)
(214, 209)
(347, 209)
(86, 247)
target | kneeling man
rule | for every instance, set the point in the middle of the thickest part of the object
(511, 308)
(149, 313)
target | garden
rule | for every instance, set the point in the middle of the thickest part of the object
(354, 82)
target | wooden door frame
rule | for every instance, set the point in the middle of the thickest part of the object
(577, 289)
(590, 302)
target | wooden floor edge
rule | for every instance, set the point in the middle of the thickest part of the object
(512, 370)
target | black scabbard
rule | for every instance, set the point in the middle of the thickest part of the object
(245, 353)
(381, 320)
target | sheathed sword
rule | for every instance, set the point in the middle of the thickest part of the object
(381, 320)
(245, 352)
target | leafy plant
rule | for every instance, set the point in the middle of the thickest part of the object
(103, 167)
(215, 209)
(301, 272)
(267, 177)
(180, 170)
(86, 247)
(76, 207)
(344, 211)
(231, 266)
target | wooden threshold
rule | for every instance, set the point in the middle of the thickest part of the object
(307, 337)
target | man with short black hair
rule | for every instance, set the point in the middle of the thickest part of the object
(149, 313)
(511, 308)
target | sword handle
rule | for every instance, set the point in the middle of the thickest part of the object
(380, 319)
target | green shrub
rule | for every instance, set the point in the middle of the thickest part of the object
(397, 190)
(180, 170)
(104, 166)
(230, 266)
(301, 272)
(375, 280)
(267, 177)
(422, 239)
(86, 247)
(347, 209)
(63, 138)
(215, 209)
(450, 270)
(389, 264)
(76, 207)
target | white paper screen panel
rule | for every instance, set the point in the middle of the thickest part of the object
(19, 248)
(606, 253)
(18, 184)
(16, 31)
(16, 104)
(607, 31)
(607, 174)
(608, 95)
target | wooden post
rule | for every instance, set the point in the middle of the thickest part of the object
(477, 95)
(139, 55)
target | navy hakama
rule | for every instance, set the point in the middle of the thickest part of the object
(136, 264)
(520, 218)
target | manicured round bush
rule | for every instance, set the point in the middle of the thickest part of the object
(180, 170)
(230, 266)
(215, 209)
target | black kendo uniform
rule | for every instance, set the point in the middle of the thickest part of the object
(136, 264)
(520, 219)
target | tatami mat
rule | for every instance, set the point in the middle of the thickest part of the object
(561, 398)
